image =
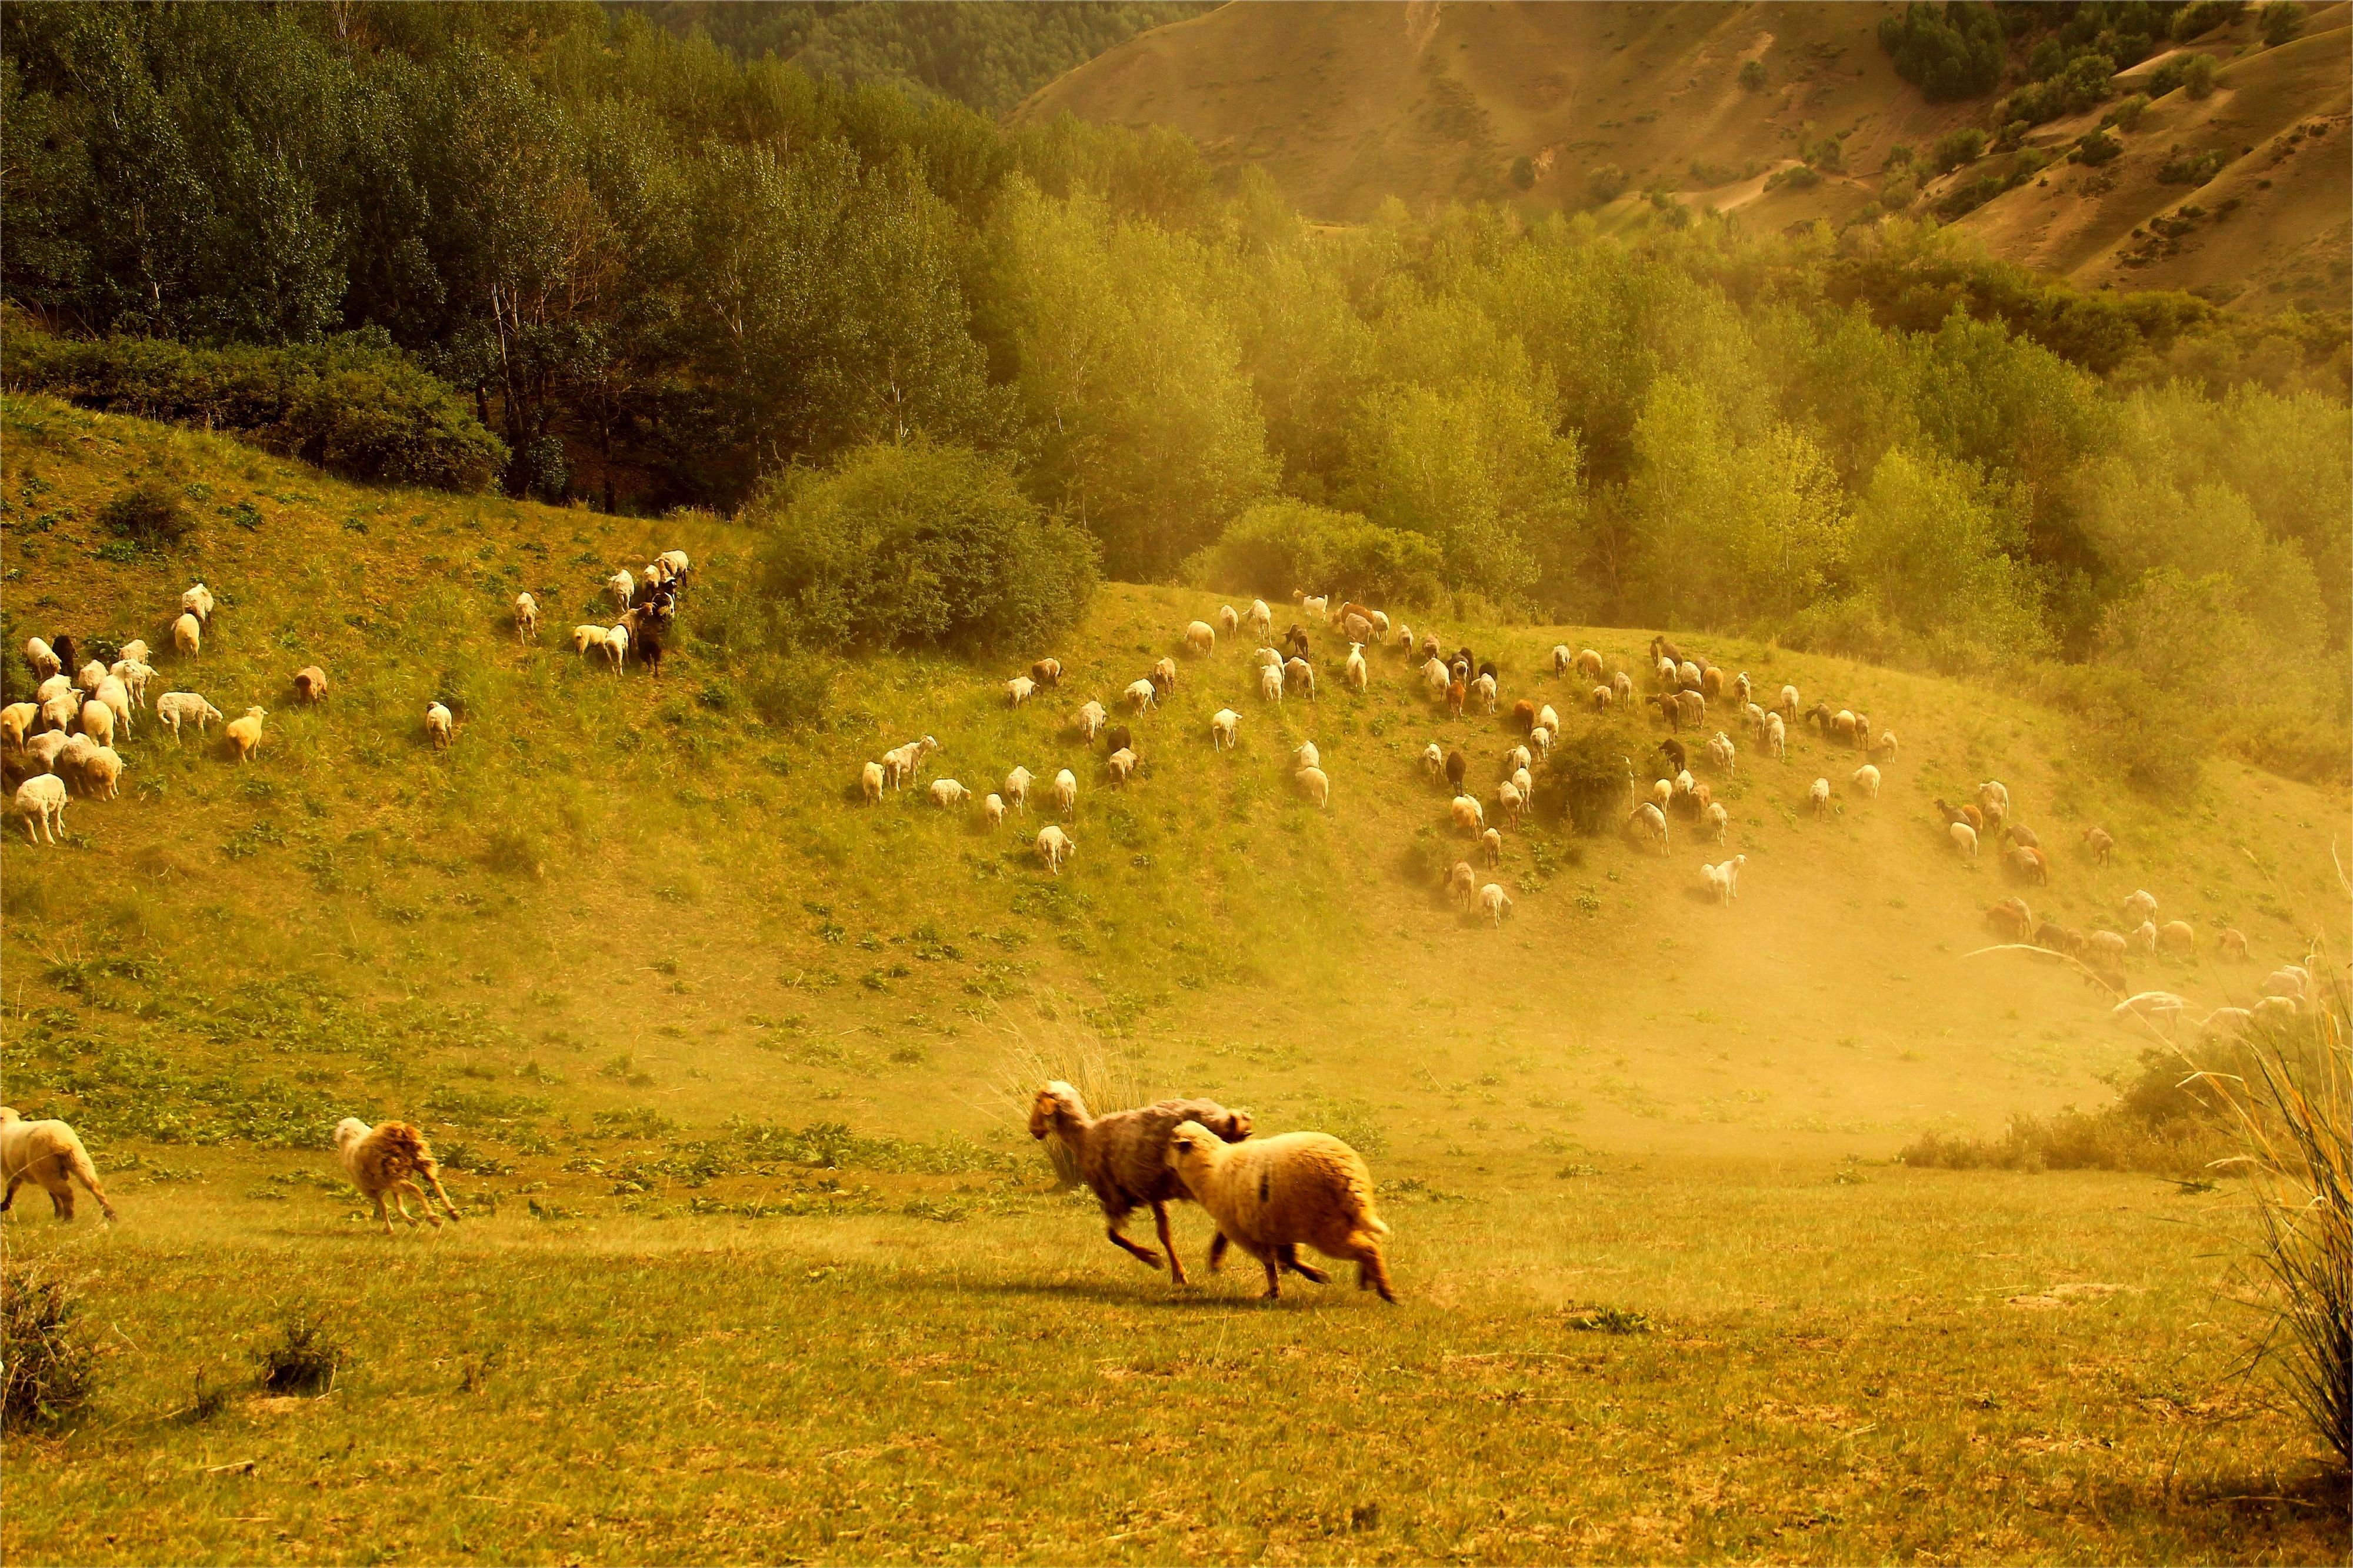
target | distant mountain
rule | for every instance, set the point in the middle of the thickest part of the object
(2241, 196)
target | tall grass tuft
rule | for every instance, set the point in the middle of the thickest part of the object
(1047, 1045)
(46, 1372)
(2290, 1107)
(305, 1358)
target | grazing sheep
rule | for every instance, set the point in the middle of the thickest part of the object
(1517, 758)
(1380, 626)
(526, 612)
(1163, 675)
(1468, 814)
(1458, 767)
(1225, 730)
(1776, 737)
(1305, 756)
(1261, 619)
(587, 636)
(1787, 705)
(1964, 837)
(1662, 794)
(116, 697)
(1314, 782)
(55, 687)
(1993, 799)
(1689, 677)
(2223, 1023)
(1229, 619)
(1491, 844)
(1649, 821)
(1091, 719)
(386, 1159)
(1054, 847)
(2161, 1009)
(2023, 837)
(869, 781)
(623, 587)
(42, 657)
(188, 635)
(1484, 689)
(2234, 942)
(1299, 673)
(1883, 747)
(438, 721)
(86, 680)
(1721, 753)
(1269, 682)
(1120, 766)
(244, 734)
(1561, 659)
(1433, 760)
(2010, 919)
(2177, 936)
(1436, 676)
(1066, 794)
(49, 1154)
(1866, 782)
(16, 721)
(311, 684)
(677, 566)
(1201, 637)
(1404, 640)
(1019, 689)
(1723, 880)
(1124, 1157)
(1494, 903)
(1621, 688)
(992, 811)
(1718, 819)
(1273, 1196)
(1295, 641)
(42, 751)
(1588, 665)
(947, 793)
(100, 770)
(1818, 797)
(2109, 945)
(1357, 674)
(1462, 883)
(1268, 658)
(42, 799)
(1141, 695)
(1691, 710)
(98, 722)
(2292, 980)
(2140, 906)
(2097, 841)
(1509, 800)
(2028, 866)
(1678, 793)
(197, 600)
(2144, 936)
(1046, 672)
(1017, 789)
(1540, 741)
(134, 674)
(175, 707)
(1601, 698)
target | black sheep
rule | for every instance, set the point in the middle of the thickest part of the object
(647, 632)
(1295, 641)
(1674, 749)
(1488, 669)
(63, 647)
(1456, 766)
(1118, 738)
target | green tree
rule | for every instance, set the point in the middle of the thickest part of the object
(1938, 545)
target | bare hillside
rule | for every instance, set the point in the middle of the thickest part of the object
(1349, 104)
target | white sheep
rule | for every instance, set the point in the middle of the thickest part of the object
(174, 708)
(42, 657)
(1649, 821)
(1508, 799)
(1468, 814)
(2160, 1009)
(1120, 766)
(188, 635)
(134, 674)
(1885, 745)
(1092, 718)
(947, 793)
(1201, 637)
(1318, 606)
(992, 811)
(55, 687)
(1357, 673)
(1494, 903)
(1516, 759)
(102, 772)
(1461, 883)
(42, 799)
(623, 587)
(1491, 844)
(586, 637)
(869, 781)
(1560, 659)
(1540, 740)
(1547, 719)
(1525, 784)
(245, 732)
(1016, 790)
(1019, 689)
(526, 613)
(677, 563)
(1723, 880)
(1662, 794)
(2144, 935)
(1433, 760)
(197, 600)
(1267, 658)
(1054, 847)
(1299, 673)
(1757, 717)
(1273, 1196)
(116, 696)
(16, 721)
(1601, 698)
(616, 646)
(1269, 683)
(1993, 798)
(1818, 797)
(1965, 838)
(1229, 619)
(1141, 695)
(438, 722)
(1305, 756)
(1484, 689)
(1721, 753)
(1437, 677)
(1719, 820)
(1788, 703)
(1225, 730)
(2141, 907)
(98, 722)
(44, 749)
(1315, 784)
(88, 678)
(1261, 619)
(1621, 687)
(1866, 782)
(1776, 737)
(1066, 794)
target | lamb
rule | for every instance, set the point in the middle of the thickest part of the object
(1662, 794)
(1357, 673)
(1433, 760)
(947, 793)
(244, 734)
(50, 1155)
(1494, 903)
(42, 799)
(870, 782)
(526, 613)
(1016, 790)
(1964, 837)
(1305, 756)
(2141, 906)
(98, 722)
(311, 684)
(1269, 682)
(1163, 675)
(1468, 814)
(616, 647)
(42, 657)
(386, 1159)
(1298, 672)
(1491, 844)
(992, 811)
(624, 588)
(1229, 619)
(1201, 637)
(1120, 766)
(1601, 698)
(1316, 786)
(1066, 794)
(188, 635)
(1649, 821)
(1720, 754)
(197, 600)
(1092, 718)
(1225, 730)
(1818, 797)
(1484, 689)
(1462, 883)
(1719, 820)
(1723, 880)
(1124, 1157)
(2177, 936)
(1046, 672)
(1054, 847)
(116, 699)
(2234, 942)
(1271, 1196)
(1866, 782)
(1776, 737)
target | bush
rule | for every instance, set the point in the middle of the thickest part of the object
(2203, 16)
(2280, 20)
(915, 546)
(1606, 183)
(1955, 53)
(305, 1360)
(45, 1371)
(353, 406)
(151, 514)
(1586, 778)
(2085, 82)
(2191, 168)
(1752, 73)
(2097, 147)
(2126, 115)
(1279, 546)
(2192, 73)
(1524, 173)
(1797, 177)
(1956, 148)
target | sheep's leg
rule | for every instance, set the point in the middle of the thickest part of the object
(1274, 1276)
(1169, 1243)
(90, 1180)
(1307, 1271)
(422, 1202)
(1218, 1252)
(1143, 1255)
(1372, 1271)
(434, 1177)
(8, 1199)
(383, 1217)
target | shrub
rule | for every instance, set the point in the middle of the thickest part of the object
(1797, 177)
(1606, 183)
(1956, 148)
(1276, 547)
(305, 1360)
(2280, 20)
(2084, 83)
(353, 405)
(2198, 75)
(1824, 152)
(2126, 115)
(151, 514)
(1586, 778)
(2203, 16)
(2097, 147)
(906, 546)
(1524, 173)
(45, 1371)
(1752, 73)
(1948, 54)
(2191, 168)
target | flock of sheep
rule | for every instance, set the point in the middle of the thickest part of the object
(63, 742)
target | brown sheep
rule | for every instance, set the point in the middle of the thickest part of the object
(1455, 692)
(2097, 841)
(2234, 942)
(387, 1160)
(1694, 709)
(1046, 672)
(1124, 1157)
(2028, 866)
(1710, 683)
(311, 684)
(1523, 716)
(1457, 767)
(2177, 936)
(2011, 920)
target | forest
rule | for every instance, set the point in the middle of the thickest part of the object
(869, 319)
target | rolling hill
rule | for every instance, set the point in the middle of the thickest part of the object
(1346, 105)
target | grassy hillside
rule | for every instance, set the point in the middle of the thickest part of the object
(1346, 104)
(728, 1068)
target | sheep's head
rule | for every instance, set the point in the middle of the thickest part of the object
(1188, 1145)
(1233, 1126)
(1055, 1100)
